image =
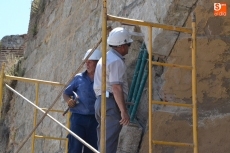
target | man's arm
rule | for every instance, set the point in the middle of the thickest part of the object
(119, 98)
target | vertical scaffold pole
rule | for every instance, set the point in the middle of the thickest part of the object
(68, 126)
(150, 89)
(103, 86)
(35, 116)
(1, 87)
(194, 83)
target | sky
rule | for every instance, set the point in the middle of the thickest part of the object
(14, 17)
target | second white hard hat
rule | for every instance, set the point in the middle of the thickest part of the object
(119, 36)
(95, 56)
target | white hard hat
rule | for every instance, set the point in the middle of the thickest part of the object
(95, 56)
(119, 36)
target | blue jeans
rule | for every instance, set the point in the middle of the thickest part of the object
(85, 127)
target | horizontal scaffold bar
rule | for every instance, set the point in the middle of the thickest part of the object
(172, 143)
(151, 24)
(172, 65)
(53, 110)
(172, 104)
(46, 137)
(32, 80)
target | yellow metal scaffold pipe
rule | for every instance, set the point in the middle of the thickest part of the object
(172, 65)
(194, 87)
(29, 80)
(103, 86)
(173, 143)
(47, 137)
(150, 89)
(148, 24)
(35, 115)
(68, 126)
(172, 104)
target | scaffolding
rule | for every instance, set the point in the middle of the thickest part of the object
(35, 122)
(106, 17)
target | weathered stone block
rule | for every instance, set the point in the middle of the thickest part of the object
(129, 139)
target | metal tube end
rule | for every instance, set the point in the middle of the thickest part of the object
(193, 17)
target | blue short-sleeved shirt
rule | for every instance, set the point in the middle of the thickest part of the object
(83, 86)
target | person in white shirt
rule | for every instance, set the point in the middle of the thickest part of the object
(119, 40)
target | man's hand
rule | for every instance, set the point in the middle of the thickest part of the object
(119, 98)
(124, 118)
(71, 103)
(69, 100)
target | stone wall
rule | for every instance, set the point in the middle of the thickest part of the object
(12, 45)
(65, 29)
(174, 85)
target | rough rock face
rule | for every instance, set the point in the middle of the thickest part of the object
(60, 34)
(13, 41)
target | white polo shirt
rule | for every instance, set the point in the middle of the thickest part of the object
(115, 73)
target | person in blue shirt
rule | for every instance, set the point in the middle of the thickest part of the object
(81, 98)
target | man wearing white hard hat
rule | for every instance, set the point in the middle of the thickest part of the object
(119, 40)
(83, 122)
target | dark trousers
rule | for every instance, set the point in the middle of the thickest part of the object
(85, 127)
(113, 127)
